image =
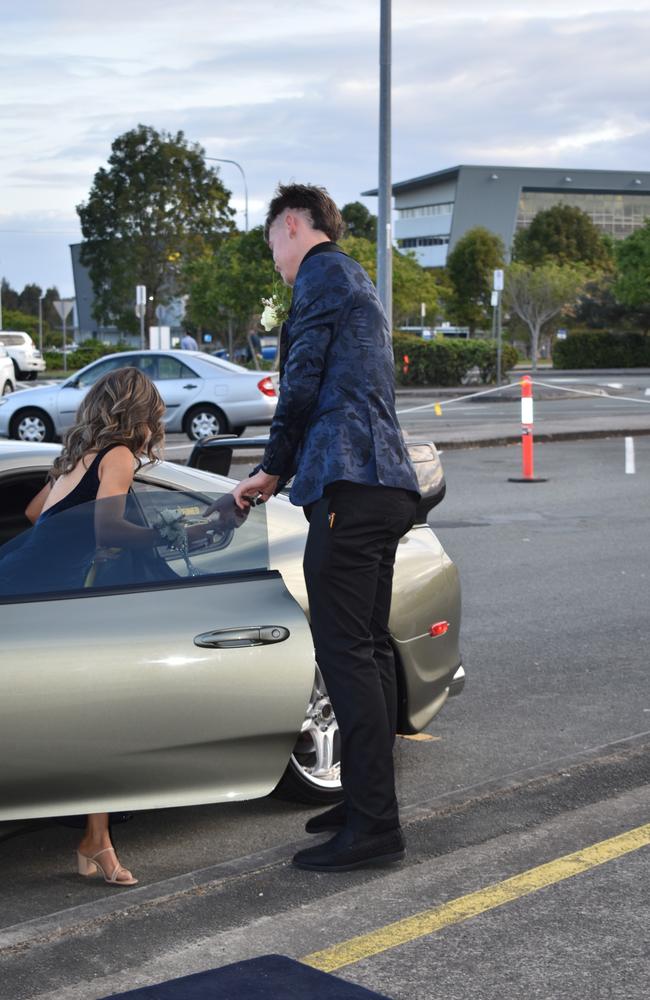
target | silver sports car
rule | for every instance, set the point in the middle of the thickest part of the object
(203, 396)
(142, 675)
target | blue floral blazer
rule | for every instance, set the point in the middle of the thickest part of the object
(335, 417)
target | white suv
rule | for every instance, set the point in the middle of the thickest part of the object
(20, 347)
(7, 377)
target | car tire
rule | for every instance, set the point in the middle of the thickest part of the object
(31, 425)
(205, 421)
(31, 376)
(313, 774)
(7, 388)
(238, 431)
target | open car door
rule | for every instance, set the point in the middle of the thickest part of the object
(140, 670)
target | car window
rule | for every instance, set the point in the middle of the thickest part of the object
(170, 367)
(90, 376)
(14, 340)
(152, 538)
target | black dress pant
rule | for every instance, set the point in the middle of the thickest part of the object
(349, 557)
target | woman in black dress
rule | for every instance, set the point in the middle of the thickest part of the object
(119, 420)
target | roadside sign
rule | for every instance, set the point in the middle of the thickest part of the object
(63, 307)
(497, 283)
(141, 295)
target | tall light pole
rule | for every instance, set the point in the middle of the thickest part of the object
(384, 223)
(220, 159)
(40, 322)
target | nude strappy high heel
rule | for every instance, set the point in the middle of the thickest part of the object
(89, 866)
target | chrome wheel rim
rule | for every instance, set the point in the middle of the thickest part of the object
(204, 425)
(32, 429)
(317, 753)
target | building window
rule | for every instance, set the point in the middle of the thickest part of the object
(445, 208)
(410, 242)
(616, 214)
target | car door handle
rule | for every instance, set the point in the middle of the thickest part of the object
(189, 386)
(231, 638)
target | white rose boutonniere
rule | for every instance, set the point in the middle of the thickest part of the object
(274, 313)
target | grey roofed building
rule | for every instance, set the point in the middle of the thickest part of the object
(170, 315)
(433, 211)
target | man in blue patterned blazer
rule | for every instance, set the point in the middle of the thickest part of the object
(335, 430)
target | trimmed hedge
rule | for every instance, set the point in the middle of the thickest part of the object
(600, 349)
(87, 351)
(446, 361)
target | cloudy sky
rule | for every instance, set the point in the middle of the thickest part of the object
(290, 89)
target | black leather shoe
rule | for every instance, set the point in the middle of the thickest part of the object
(333, 819)
(348, 850)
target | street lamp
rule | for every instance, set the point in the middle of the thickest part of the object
(220, 159)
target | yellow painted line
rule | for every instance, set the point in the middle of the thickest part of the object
(465, 907)
(420, 737)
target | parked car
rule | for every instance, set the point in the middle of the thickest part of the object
(171, 676)
(7, 374)
(28, 360)
(203, 396)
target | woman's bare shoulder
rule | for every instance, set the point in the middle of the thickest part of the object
(119, 457)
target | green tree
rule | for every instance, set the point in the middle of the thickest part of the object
(359, 221)
(412, 284)
(470, 267)
(155, 209)
(14, 319)
(632, 284)
(563, 234)
(538, 294)
(227, 284)
(10, 297)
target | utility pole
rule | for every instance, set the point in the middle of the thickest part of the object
(40, 323)
(141, 309)
(384, 214)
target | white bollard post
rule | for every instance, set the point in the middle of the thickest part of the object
(630, 468)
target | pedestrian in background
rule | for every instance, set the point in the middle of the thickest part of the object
(188, 343)
(336, 430)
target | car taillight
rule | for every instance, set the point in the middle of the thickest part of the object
(440, 628)
(266, 386)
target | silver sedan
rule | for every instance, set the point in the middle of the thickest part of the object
(203, 396)
(135, 679)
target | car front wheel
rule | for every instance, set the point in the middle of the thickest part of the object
(313, 774)
(32, 425)
(205, 421)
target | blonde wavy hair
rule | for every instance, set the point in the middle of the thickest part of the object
(122, 407)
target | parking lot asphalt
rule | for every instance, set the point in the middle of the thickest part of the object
(555, 717)
(554, 638)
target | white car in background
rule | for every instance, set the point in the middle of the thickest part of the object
(203, 396)
(28, 360)
(7, 374)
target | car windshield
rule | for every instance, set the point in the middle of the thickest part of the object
(151, 538)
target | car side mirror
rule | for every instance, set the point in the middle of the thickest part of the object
(431, 478)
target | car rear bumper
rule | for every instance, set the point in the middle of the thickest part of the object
(31, 364)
